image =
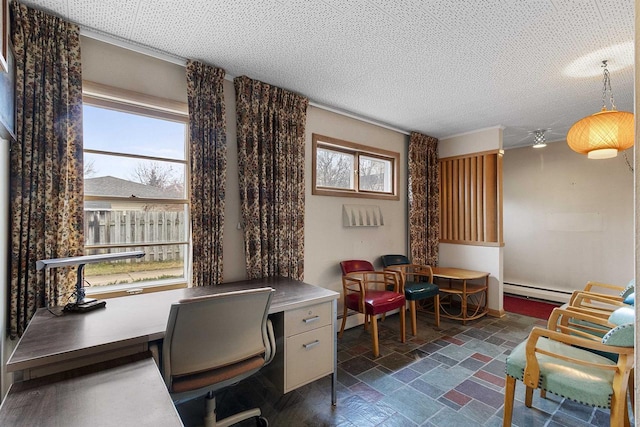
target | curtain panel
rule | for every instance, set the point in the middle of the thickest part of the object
(46, 163)
(271, 140)
(424, 199)
(208, 151)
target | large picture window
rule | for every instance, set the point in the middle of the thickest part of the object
(342, 168)
(135, 193)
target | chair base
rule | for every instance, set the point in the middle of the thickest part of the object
(210, 415)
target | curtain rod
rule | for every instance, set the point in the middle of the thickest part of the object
(178, 60)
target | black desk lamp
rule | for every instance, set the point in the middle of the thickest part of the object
(82, 303)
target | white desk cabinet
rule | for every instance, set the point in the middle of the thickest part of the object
(305, 346)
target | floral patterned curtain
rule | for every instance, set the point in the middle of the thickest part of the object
(424, 199)
(208, 148)
(46, 164)
(271, 140)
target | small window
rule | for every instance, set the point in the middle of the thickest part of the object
(342, 168)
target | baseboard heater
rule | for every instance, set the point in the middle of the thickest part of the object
(536, 292)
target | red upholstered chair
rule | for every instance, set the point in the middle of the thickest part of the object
(366, 292)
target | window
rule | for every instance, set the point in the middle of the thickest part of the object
(135, 177)
(342, 168)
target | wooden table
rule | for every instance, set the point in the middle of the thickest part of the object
(56, 343)
(472, 297)
(125, 394)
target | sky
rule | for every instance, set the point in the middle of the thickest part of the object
(109, 130)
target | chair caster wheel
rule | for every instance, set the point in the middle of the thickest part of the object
(262, 422)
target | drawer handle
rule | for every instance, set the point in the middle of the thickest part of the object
(311, 344)
(311, 319)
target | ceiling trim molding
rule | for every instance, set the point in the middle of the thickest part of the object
(501, 127)
(125, 44)
(174, 59)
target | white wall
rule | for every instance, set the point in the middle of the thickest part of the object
(479, 258)
(567, 219)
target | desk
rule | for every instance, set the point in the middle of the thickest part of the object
(126, 325)
(472, 296)
(131, 393)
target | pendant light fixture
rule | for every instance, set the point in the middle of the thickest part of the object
(603, 134)
(538, 138)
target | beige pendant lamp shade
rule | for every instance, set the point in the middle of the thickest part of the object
(603, 134)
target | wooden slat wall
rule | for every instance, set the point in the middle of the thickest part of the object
(471, 199)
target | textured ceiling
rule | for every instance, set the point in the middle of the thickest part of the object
(439, 67)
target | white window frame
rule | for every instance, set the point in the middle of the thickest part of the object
(102, 96)
(356, 150)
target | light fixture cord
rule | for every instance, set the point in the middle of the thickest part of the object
(607, 86)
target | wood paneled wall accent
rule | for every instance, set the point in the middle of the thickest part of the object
(471, 199)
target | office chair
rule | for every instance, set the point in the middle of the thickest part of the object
(214, 341)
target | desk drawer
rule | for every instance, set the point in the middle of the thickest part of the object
(309, 357)
(307, 318)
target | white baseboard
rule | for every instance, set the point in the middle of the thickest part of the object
(539, 293)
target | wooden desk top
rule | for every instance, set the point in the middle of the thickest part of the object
(135, 319)
(457, 273)
(133, 393)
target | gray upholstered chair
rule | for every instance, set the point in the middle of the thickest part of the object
(562, 359)
(214, 341)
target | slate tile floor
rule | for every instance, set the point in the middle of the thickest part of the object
(452, 376)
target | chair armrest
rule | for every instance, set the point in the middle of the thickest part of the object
(531, 375)
(270, 344)
(603, 303)
(591, 285)
(352, 284)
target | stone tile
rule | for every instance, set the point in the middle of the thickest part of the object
(482, 357)
(424, 365)
(414, 406)
(441, 358)
(426, 388)
(397, 420)
(478, 411)
(495, 367)
(449, 403)
(477, 333)
(455, 352)
(357, 365)
(472, 364)
(360, 412)
(346, 378)
(406, 375)
(495, 340)
(366, 392)
(481, 393)
(395, 361)
(459, 398)
(575, 409)
(493, 379)
(446, 379)
(453, 340)
(450, 418)
(380, 381)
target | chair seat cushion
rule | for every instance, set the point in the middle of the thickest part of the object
(623, 315)
(584, 384)
(420, 290)
(180, 384)
(376, 302)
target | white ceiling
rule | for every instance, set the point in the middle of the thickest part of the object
(439, 67)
